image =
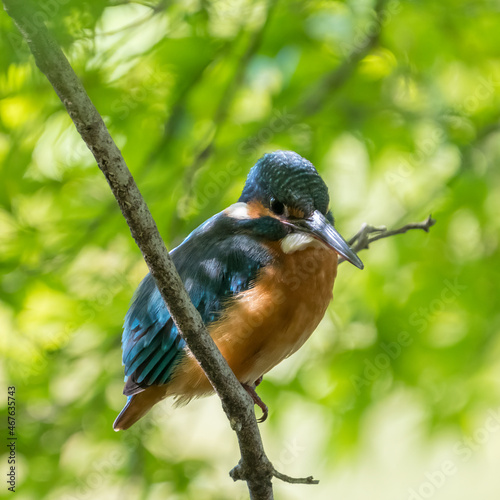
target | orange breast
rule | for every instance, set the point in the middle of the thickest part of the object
(269, 322)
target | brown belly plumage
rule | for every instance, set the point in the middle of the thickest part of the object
(268, 322)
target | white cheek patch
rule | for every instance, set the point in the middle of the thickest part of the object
(294, 242)
(238, 211)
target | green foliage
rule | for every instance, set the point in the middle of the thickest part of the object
(400, 125)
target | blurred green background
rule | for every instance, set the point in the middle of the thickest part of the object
(396, 395)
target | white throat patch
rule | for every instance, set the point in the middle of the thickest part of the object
(294, 242)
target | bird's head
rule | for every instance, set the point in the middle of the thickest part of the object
(285, 199)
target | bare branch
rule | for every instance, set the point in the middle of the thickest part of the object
(368, 234)
(254, 467)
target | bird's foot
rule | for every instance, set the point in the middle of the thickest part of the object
(256, 399)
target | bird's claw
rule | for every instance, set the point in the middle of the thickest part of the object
(257, 400)
(265, 411)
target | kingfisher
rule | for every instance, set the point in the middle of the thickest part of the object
(261, 275)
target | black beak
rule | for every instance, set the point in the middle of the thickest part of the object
(319, 226)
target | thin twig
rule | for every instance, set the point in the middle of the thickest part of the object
(294, 480)
(368, 234)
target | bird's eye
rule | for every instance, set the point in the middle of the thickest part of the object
(277, 207)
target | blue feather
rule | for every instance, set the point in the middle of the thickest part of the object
(218, 260)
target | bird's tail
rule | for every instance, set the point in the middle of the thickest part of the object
(137, 406)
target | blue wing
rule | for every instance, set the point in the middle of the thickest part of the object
(215, 262)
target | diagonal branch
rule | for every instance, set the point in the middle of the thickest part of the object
(254, 466)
